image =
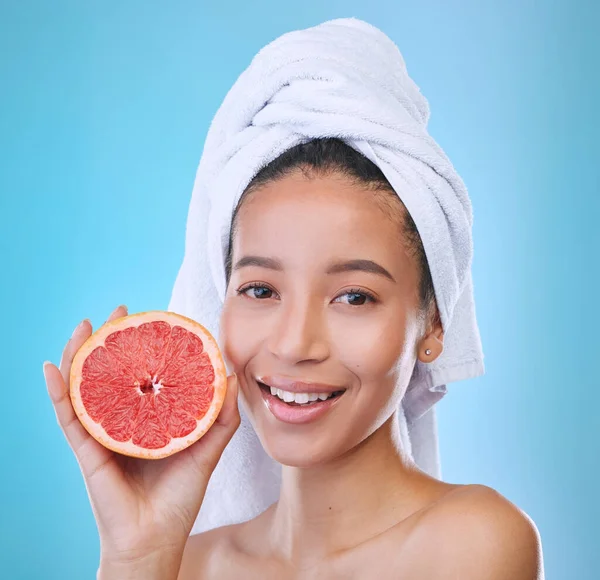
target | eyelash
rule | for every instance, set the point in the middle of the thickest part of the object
(360, 291)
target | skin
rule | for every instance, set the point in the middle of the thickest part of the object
(352, 503)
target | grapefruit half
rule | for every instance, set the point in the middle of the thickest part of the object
(148, 384)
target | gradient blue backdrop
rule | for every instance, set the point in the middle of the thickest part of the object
(104, 110)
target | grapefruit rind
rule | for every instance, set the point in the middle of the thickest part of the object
(96, 430)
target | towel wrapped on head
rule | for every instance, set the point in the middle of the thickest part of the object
(346, 79)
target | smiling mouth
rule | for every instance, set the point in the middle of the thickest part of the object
(299, 399)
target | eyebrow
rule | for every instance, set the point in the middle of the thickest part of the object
(336, 268)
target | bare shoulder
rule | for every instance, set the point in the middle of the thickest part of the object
(475, 532)
(203, 550)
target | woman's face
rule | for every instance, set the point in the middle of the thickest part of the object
(321, 291)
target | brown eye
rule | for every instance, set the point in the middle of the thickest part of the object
(258, 292)
(357, 297)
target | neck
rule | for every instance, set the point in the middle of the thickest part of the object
(346, 502)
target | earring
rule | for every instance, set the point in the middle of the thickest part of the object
(428, 352)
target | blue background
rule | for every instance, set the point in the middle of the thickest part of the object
(104, 110)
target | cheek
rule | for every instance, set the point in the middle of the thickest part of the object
(380, 358)
(374, 348)
(238, 340)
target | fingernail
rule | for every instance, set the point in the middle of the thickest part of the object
(79, 326)
(46, 363)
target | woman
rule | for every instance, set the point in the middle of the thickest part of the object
(329, 305)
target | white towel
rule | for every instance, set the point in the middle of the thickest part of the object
(343, 78)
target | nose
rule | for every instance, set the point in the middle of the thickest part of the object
(300, 332)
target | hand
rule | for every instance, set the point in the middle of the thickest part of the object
(141, 506)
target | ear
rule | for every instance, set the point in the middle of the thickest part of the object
(432, 341)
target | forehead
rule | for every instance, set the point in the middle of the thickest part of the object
(322, 217)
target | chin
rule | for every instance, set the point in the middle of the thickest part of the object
(304, 446)
(298, 456)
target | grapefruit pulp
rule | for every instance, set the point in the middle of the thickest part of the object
(148, 384)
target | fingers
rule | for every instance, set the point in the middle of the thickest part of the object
(90, 454)
(88, 451)
(75, 433)
(118, 312)
(79, 336)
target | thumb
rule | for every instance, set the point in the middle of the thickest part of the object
(229, 418)
(211, 445)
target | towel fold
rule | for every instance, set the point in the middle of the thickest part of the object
(343, 78)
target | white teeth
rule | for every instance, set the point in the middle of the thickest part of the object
(300, 398)
(287, 396)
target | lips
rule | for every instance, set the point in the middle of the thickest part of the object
(299, 413)
(296, 386)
